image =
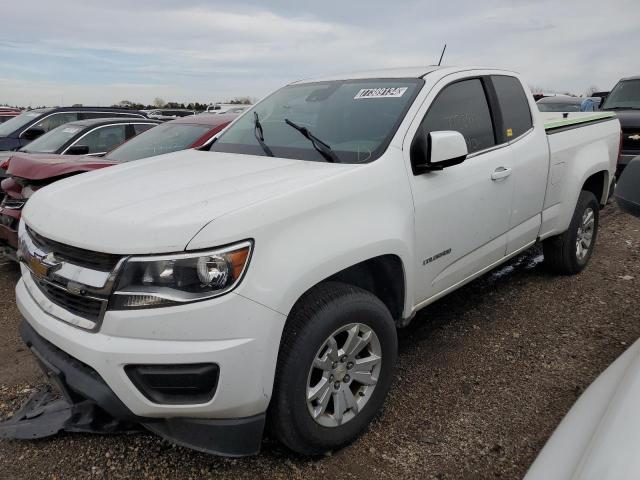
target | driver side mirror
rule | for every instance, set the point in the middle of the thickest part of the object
(32, 133)
(77, 150)
(437, 150)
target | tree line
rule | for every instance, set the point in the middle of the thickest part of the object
(161, 103)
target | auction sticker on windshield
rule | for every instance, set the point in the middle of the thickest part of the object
(384, 92)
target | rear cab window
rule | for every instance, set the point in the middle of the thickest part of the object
(514, 109)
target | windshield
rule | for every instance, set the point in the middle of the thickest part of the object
(356, 119)
(165, 138)
(625, 94)
(10, 126)
(51, 141)
(559, 107)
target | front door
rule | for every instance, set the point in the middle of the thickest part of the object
(462, 212)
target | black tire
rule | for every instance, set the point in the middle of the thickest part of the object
(560, 252)
(316, 316)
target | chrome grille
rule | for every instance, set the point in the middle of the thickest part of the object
(71, 284)
(87, 308)
(104, 262)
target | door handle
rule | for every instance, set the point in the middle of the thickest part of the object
(500, 172)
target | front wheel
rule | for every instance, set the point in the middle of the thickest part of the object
(569, 252)
(335, 368)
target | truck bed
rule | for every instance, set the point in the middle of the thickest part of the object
(579, 146)
(557, 120)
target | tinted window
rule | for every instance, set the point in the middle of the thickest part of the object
(142, 127)
(463, 107)
(514, 107)
(625, 94)
(56, 120)
(103, 139)
(16, 123)
(169, 137)
(52, 141)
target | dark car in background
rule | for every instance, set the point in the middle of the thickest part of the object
(94, 137)
(559, 103)
(7, 113)
(30, 172)
(624, 100)
(28, 126)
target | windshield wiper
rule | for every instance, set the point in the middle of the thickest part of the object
(621, 108)
(259, 134)
(322, 148)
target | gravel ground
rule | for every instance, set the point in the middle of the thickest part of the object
(484, 376)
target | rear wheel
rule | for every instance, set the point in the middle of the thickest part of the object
(335, 368)
(569, 253)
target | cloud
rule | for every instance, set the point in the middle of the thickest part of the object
(101, 52)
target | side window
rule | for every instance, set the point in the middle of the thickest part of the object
(463, 107)
(56, 120)
(514, 107)
(142, 127)
(104, 139)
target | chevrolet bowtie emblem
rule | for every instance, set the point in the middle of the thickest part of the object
(634, 137)
(42, 265)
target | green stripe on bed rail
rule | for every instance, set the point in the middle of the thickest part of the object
(573, 121)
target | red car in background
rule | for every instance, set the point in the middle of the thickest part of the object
(28, 172)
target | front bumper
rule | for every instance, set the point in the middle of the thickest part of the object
(242, 337)
(79, 382)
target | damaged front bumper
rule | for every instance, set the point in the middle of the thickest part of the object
(89, 405)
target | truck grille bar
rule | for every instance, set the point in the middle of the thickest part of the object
(104, 262)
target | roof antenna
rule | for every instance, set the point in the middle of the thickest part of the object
(442, 54)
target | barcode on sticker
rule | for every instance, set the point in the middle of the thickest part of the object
(384, 92)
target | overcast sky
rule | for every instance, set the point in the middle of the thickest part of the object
(100, 52)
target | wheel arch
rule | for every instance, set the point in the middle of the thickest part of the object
(598, 184)
(383, 275)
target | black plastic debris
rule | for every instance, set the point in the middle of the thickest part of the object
(46, 414)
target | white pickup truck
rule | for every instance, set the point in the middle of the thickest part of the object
(261, 280)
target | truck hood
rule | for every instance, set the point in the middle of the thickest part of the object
(40, 166)
(157, 205)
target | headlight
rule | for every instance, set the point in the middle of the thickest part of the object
(166, 280)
